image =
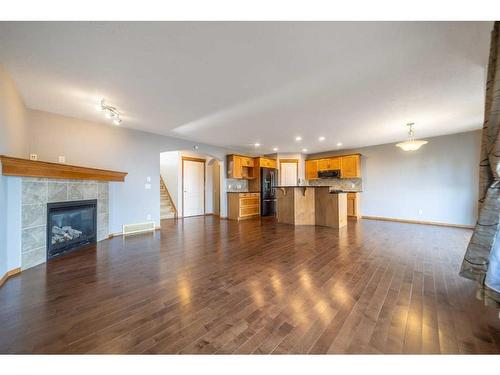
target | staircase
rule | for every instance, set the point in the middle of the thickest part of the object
(167, 207)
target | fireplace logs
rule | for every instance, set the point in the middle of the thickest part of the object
(63, 234)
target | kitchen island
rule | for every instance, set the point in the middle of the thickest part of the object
(311, 205)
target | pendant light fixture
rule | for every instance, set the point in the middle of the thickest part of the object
(411, 144)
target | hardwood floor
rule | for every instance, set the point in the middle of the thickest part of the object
(201, 285)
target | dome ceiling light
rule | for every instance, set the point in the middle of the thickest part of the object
(111, 113)
(411, 144)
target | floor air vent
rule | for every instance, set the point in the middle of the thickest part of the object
(139, 228)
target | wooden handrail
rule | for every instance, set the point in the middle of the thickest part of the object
(169, 196)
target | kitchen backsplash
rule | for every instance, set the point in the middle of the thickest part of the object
(236, 185)
(354, 184)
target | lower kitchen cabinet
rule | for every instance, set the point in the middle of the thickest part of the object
(243, 205)
(353, 209)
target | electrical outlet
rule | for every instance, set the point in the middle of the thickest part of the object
(148, 217)
(33, 157)
(238, 186)
(420, 212)
(147, 186)
(62, 159)
(229, 186)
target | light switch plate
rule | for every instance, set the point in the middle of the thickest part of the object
(147, 186)
(62, 159)
(148, 179)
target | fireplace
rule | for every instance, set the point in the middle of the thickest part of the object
(70, 225)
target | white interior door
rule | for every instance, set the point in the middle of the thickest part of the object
(288, 174)
(194, 188)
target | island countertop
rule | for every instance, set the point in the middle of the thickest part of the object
(242, 192)
(332, 189)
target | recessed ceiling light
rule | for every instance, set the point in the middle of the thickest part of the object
(275, 149)
(304, 150)
(321, 139)
(339, 144)
(298, 138)
(257, 144)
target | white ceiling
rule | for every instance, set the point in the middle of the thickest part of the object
(236, 83)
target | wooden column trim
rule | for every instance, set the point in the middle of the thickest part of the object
(31, 168)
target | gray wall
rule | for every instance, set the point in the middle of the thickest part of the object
(437, 183)
(116, 148)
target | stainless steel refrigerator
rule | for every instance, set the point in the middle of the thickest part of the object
(268, 179)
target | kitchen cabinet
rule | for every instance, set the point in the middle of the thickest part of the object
(239, 166)
(243, 205)
(353, 209)
(261, 162)
(311, 169)
(328, 164)
(350, 166)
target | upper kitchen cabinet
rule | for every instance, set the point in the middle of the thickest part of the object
(265, 163)
(311, 169)
(239, 166)
(328, 164)
(350, 166)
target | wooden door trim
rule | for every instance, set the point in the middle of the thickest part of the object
(190, 158)
(198, 160)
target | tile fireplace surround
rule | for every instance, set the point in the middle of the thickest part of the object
(36, 193)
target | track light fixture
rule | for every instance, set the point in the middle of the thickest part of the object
(111, 113)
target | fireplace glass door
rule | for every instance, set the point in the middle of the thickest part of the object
(70, 225)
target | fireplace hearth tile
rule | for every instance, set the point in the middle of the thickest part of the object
(34, 192)
(102, 206)
(89, 190)
(58, 191)
(34, 215)
(102, 190)
(75, 191)
(33, 257)
(32, 238)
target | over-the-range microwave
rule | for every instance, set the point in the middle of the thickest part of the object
(333, 173)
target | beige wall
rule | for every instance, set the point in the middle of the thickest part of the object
(13, 125)
(13, 142)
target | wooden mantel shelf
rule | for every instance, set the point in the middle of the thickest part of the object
(30, 168)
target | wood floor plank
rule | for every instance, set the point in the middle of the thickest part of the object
(205, 285)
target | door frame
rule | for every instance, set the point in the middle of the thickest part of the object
(214, 194)
(199, 160)
(290, 161)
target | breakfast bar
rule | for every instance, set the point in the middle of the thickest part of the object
(311, 205)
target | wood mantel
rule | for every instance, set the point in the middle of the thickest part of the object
(30, 168)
